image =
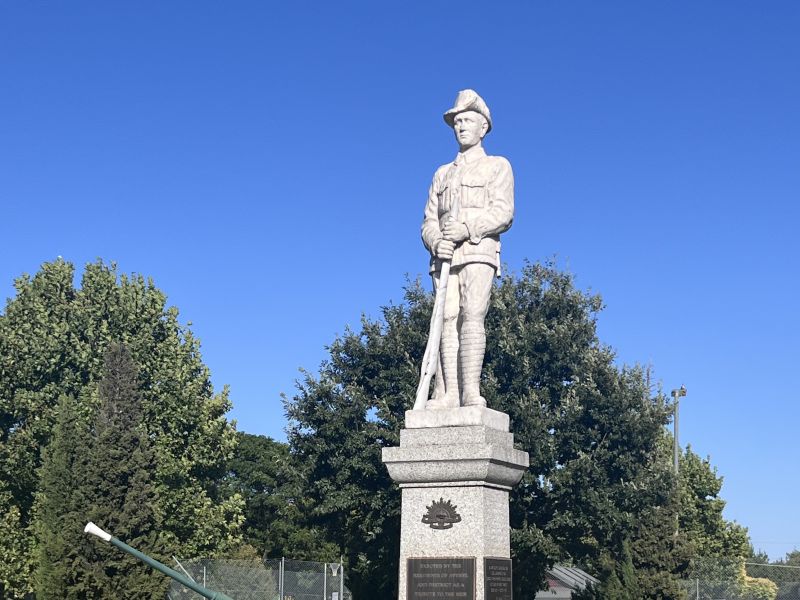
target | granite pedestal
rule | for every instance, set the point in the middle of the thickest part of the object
(455, 468)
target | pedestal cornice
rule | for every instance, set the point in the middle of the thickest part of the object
(454, 456)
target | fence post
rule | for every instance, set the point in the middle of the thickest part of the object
(325, 581)
(280, 577)
(698, 588)
(341, 578)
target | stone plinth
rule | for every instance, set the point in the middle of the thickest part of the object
(455, 468)
(457, 417)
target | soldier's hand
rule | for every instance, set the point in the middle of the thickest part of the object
(444, 249)
(454, 231)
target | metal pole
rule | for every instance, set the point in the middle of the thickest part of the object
(341, 578)
(676, 395)
(280, 577)
(325, 581)
(675, 432)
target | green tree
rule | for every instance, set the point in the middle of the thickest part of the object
(337, 426)
(265, 474)
(591, 429)
(623, 583)
(255, 473)
(658, 553)
(119, 487)
(792, 559)
(701, 518)
(785, 573)
(52, 340)
(15, 569)
(757, 556)
(619, 581)
(62, 506)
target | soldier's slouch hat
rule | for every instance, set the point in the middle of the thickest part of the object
(468, 100)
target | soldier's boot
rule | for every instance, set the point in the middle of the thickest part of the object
(472, 347)
(445, 394)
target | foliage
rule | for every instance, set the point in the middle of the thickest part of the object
(623, 583)
(720, 577)
(591, 429)
(62, 505)
(52, 340)
(657, 551)
(759, 588)
(785, 573)
(263, 473)
(103, 475)
(620, 582)
(254, 472)
(760, 557)
(121, 488)
(701, 519)
(15, 568)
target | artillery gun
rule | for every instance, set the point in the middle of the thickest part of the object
(105, 536)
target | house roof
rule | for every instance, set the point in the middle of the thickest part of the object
(563, 580)
(572, 577)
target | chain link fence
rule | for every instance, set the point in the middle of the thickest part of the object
(303, 580)
(736, 579)
(786, 577)
(277, 579)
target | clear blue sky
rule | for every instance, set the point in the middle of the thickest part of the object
(267, 164)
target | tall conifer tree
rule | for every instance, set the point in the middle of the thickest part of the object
(120, 482)
(103, 473)
(61, 507)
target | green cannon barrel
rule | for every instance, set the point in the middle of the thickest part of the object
(205, 592)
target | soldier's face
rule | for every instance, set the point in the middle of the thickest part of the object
(469, 127)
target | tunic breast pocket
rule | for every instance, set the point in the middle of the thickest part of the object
(445, 200)
(473, 194)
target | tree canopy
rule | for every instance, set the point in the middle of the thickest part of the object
(701, 517)
(53, 336)
(593, 432)
(600, 491)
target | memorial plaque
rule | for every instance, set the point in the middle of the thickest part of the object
(497, 578)
(441, 579)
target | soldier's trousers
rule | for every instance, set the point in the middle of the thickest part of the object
(463, 336)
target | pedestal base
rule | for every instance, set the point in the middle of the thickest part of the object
(455, 482)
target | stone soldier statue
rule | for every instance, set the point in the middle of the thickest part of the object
(470, 203)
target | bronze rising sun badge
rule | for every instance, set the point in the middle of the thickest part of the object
(441, 515)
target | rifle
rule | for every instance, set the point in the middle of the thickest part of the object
(430, 360)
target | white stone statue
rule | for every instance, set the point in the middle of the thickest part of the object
(470, 203)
